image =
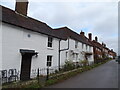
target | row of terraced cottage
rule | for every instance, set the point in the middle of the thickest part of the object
(28, 43)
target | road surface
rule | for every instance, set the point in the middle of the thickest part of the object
(104, 76)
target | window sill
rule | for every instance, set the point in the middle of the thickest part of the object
(49, 48)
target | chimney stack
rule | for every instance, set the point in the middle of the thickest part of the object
(21, 7)
(96, 39)
(102, 44)
(90, 36)
(82, 33)
(105, 45)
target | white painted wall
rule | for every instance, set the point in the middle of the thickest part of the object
(64, 45)
(15, 38)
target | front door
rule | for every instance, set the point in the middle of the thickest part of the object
(25, 66)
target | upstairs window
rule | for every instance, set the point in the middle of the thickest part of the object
(89, 48)
(50, 40)
(76, 44)
(86, 46)
(76, 56)
(82, 45)
(49, 60)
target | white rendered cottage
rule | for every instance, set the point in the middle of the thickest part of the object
(27, 44)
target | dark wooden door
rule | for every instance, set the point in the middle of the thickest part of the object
(25, 67)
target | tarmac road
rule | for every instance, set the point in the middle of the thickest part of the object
(104, 76)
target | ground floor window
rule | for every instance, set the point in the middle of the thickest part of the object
(76, 56)
(49, 60)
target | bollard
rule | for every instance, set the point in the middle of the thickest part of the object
(15, 75)
(38, 74)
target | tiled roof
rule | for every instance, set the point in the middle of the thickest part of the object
(65, 32)
(11, 17)
(97, 44)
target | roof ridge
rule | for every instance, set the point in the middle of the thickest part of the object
(24, 15)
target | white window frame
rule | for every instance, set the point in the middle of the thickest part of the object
(76, 44)
(49, 60)
(50, 41)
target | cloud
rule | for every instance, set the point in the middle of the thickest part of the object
(74, 0)
(100, 18)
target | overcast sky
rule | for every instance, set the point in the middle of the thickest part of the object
(96, 16)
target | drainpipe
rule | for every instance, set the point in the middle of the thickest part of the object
(60, 51)
(59, 56)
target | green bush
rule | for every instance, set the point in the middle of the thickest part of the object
(56, 71)
(68, 66)
(84, 62)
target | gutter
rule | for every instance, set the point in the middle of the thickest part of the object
(60, 52)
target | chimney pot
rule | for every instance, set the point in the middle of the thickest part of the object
(102, 44)
(112, 50)
(105, 45)
(82, 33)
(90, 36)
(96, 39)
(21, 7)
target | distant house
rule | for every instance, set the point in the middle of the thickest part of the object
(112, 54)
(105, 50)
(98, 53)
(101, 52)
